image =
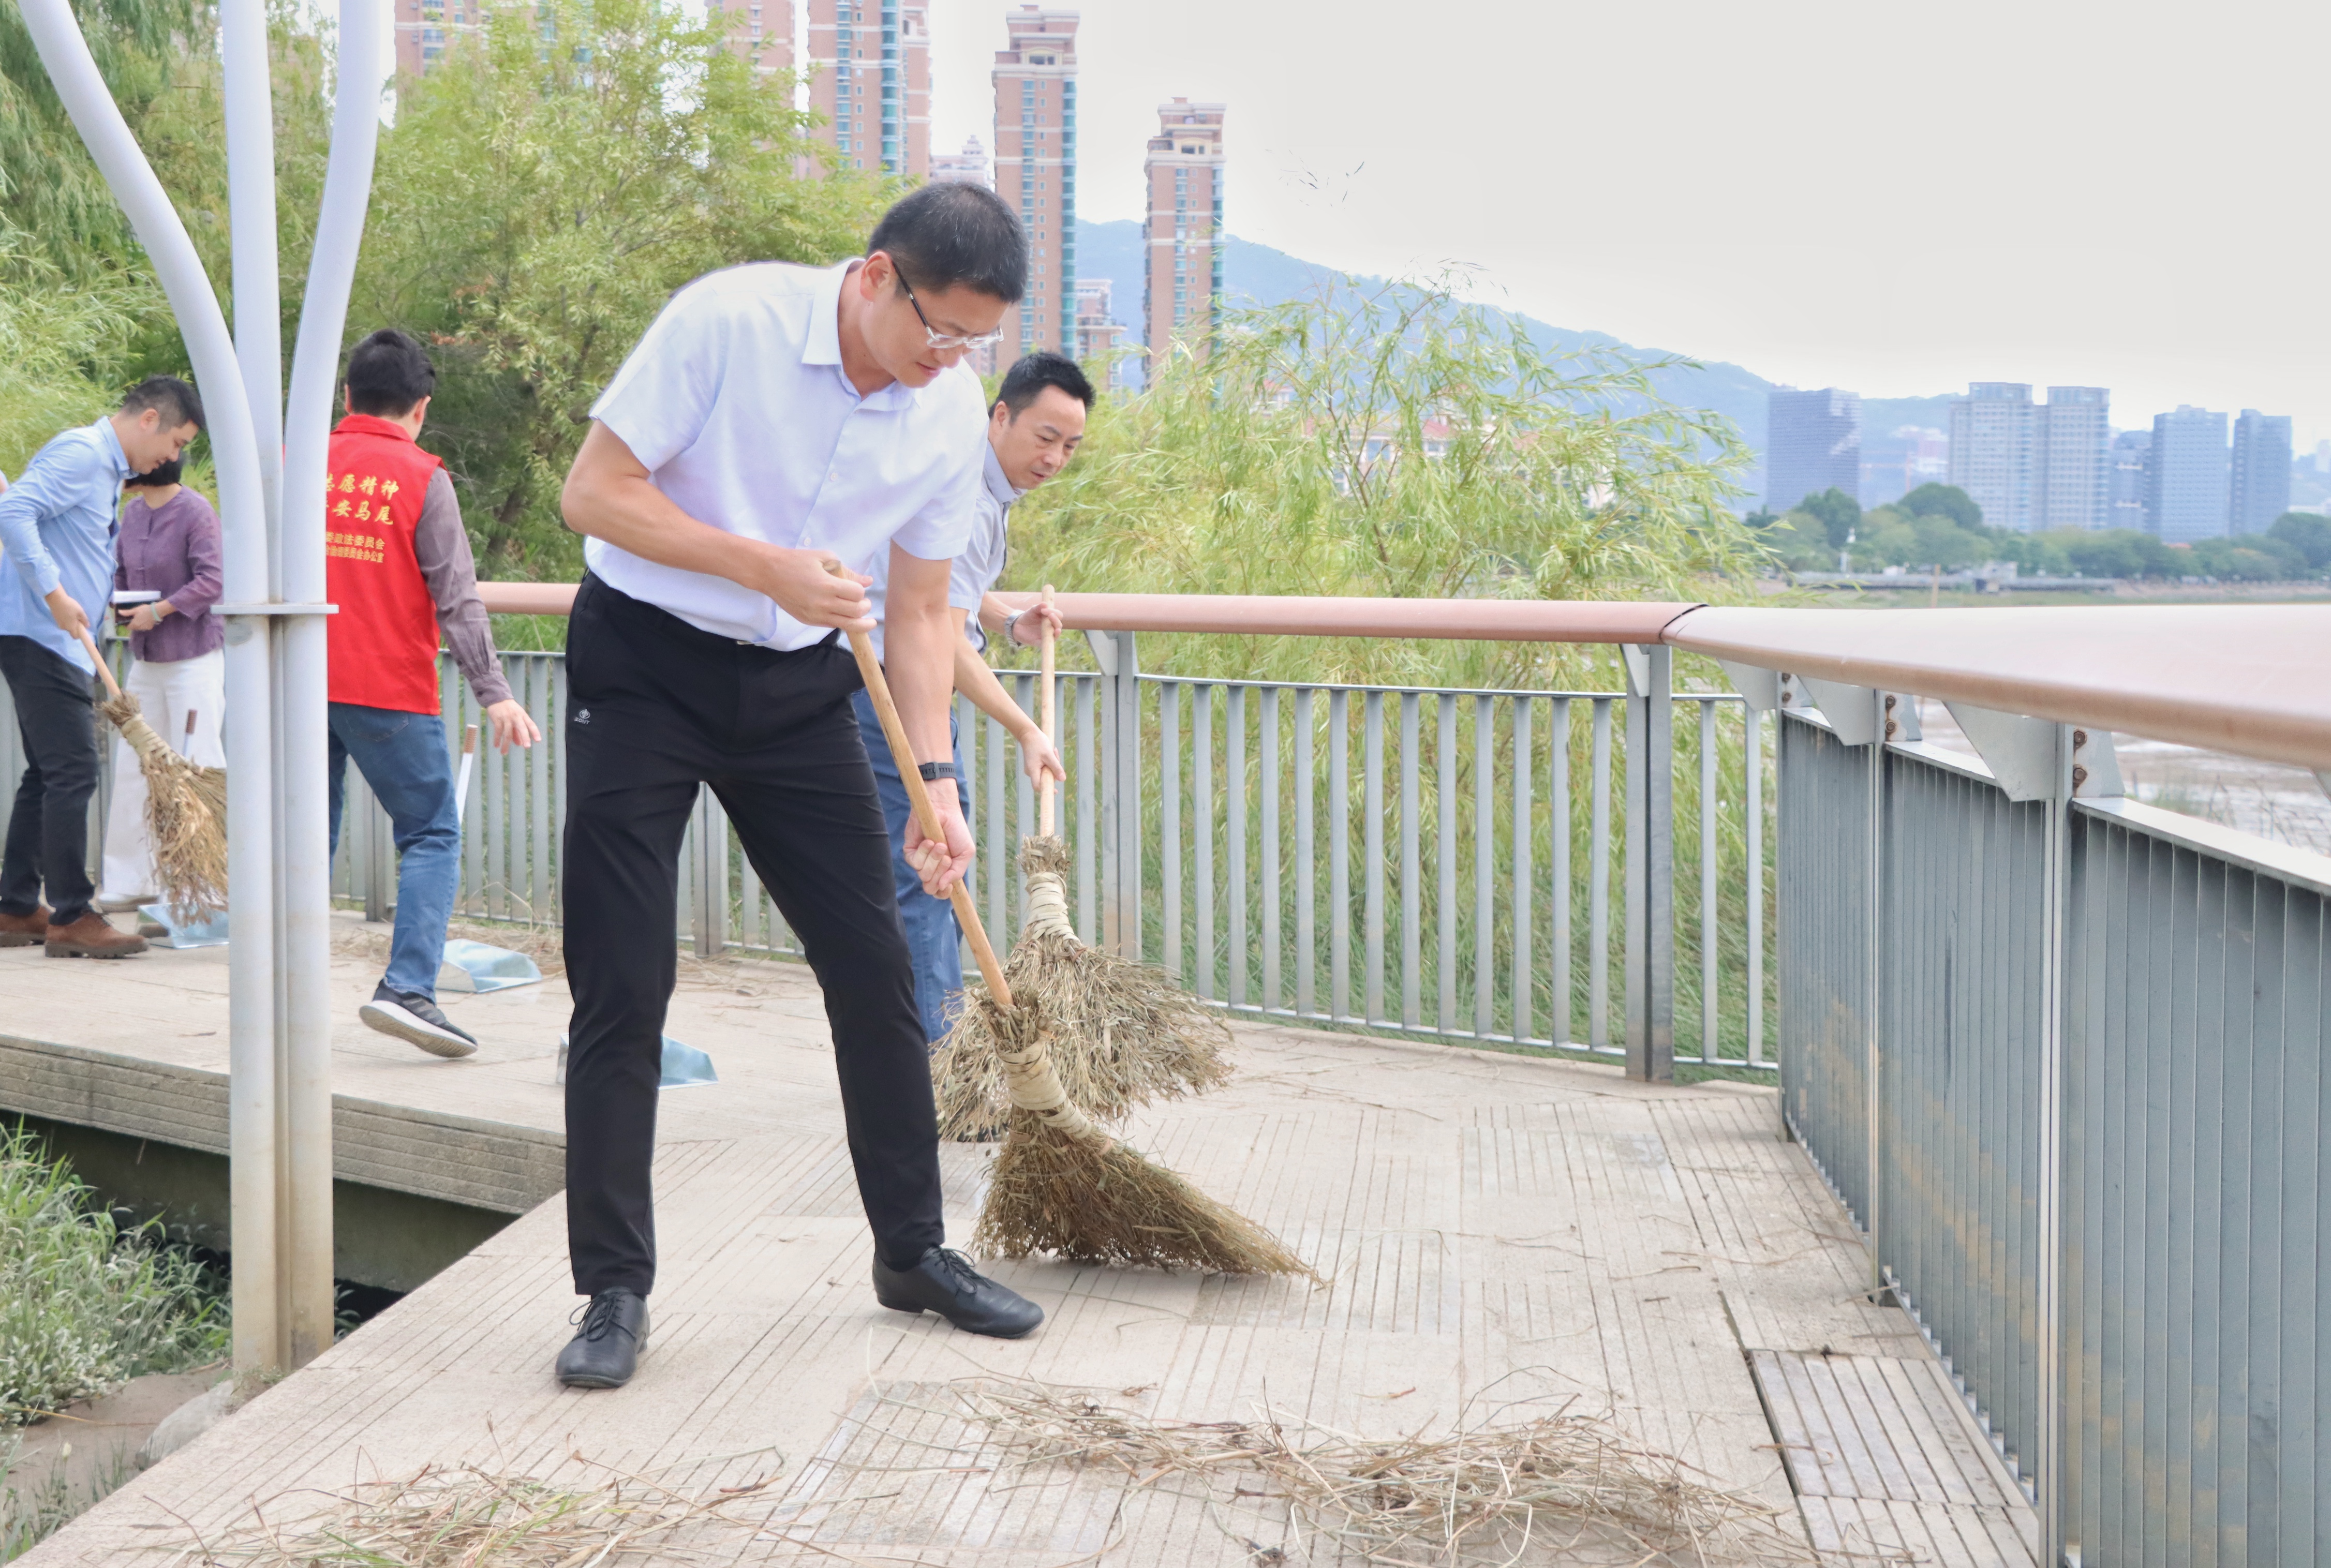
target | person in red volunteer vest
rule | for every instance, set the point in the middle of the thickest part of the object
(397, 564)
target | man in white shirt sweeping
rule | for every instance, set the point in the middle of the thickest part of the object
(774, 421)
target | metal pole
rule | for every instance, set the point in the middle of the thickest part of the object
(2057, 1370)
(251, 1018)
(1873, 992)
(1129, 793)
(1650, 855)
(302, 691)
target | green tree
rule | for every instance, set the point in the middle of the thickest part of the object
(536, 206)
(49, 187)
(1840, 514)
(2308, 532)
(1392, 441)
(62, 342)
(1944, 500)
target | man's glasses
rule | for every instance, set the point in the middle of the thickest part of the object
(946, 342)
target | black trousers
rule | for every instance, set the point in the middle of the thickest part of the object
(48, 828)
(655, 706)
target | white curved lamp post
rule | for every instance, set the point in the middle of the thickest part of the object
(272, 502)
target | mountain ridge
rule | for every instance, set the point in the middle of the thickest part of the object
(1112, 250)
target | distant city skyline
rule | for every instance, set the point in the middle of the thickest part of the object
(2031, 278)
(1812, 444)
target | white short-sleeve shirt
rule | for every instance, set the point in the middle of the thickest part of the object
(736, 401)
(975, 569)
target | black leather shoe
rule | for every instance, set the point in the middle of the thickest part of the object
(612, 1329)
(945, 1282)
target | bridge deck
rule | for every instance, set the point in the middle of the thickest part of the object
(1654, 1251)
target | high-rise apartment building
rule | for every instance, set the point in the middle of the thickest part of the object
(1992, 431)
(762, 30)
(2070, 480)
(1813, 442)
(971, 166)
(870, 63)
(423, 28)
(2258, 488)
(2129, 460)
(2186, 482)
(1036, 168)
(1181, 289)
(1099, 331)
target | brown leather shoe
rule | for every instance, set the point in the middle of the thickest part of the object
(92, 936)
(25, 930)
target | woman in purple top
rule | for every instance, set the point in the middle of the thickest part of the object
(169, 545)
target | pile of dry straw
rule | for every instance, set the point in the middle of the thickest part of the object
(1566, 1487)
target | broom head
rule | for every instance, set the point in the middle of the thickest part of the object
(1062, 1186)
(1123, 1034)
(186, 812)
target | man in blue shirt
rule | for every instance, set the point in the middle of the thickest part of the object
(57, 524)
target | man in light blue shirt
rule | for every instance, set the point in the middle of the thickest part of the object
(57, 525)
(1033, 427)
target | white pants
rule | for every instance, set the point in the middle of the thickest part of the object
(167, 693)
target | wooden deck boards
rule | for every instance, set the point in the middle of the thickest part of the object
(1493, 1229)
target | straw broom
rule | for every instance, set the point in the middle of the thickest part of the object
(186, 805)
(1123, 1034)
(1060, 1184)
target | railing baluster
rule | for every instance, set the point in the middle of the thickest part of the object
(1411, 876)
(1202, 826)
(1374, 828)
(1598, 887)
(1339, 854)
(1268, 846)
(1751, 747)
(1234, 793)
(1444, 861)
(554, 729)
(1086, 845)
(1562, 1010)
(1708, 936)
(1169, 820)
(474, 872)
(1485, 930)
(1024, 797)
(1523, 1005)
(1003, 855)
(1306, 954)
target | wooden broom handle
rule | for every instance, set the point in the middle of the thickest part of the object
(1049, 717)
(902, 753)
(112, 686)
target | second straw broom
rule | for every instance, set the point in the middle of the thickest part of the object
(1061, 1184)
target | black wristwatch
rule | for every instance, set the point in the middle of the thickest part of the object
(933, 771)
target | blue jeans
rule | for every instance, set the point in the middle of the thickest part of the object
(403, 757)
(933, 940)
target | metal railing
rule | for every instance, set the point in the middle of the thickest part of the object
(2059, 1055)
(1455, 863)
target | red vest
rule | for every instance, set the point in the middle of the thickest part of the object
(383, 640)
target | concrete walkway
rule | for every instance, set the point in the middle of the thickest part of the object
(1481, 1219)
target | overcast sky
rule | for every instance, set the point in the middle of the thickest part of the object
(1892, 199)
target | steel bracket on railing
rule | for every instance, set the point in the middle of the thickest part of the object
(2020, 752)
(1760, 688)
(1851, 710)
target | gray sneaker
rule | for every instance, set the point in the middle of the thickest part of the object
(417, 1020)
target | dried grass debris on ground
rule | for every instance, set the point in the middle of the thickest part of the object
(467, 1516)
(1570, 1485)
